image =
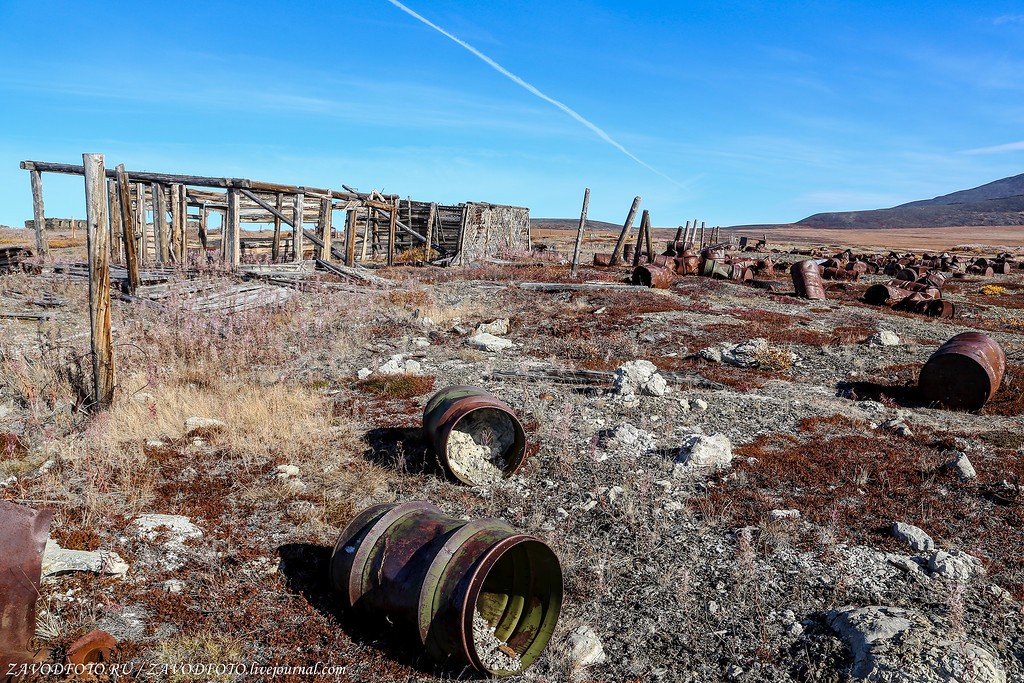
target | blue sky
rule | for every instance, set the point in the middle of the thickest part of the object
(747, 112)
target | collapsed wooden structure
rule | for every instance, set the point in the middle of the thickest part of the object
(160, 217)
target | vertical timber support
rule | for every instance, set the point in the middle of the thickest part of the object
(141, 238)
(176, 220)
(39, 220)
(428, 250)
(298, 208)
(626, 227)
(204, 216)
(350, 237)
(645, 222)
(275, 250)
(232, 226)
(579, 234)
(99, 278)
(131, 256)
(648, 241)
(115, 222)
(391, 233)
(159, 220)
(326, 209)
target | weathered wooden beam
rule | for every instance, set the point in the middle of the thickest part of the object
(579, 234)
(626, 227)
(159, 204)
(350, 238)
(142, 239)
(275, 252)
(297, 216)
(204, 215)
(200, 181)
(644, 224)
(647, 239)
(131, 257)
(114, 212)
(42, 246)
(391, 234)
(99, 278)
(430, 230)
(232, 248)
(325, 228)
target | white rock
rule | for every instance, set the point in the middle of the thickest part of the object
(710, 354)
(638, 377)
(57, 560)
(628, 439)
(412, 367)
(176, 527)
(775, 515)
(394, 366)
(965, 469)
(884, 338)
(490, 343)
(157, 443)
(698, 405)
(286, 471)
(699, 450)
(420, 342)
(496, 327)
(173, 585)
(913, 536)
(364, 373)
(585, 648)
(955, 565)
(203, 423)
(655, 386)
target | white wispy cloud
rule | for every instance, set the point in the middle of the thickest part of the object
(519, 81)
(1010, 19)
(997, 149)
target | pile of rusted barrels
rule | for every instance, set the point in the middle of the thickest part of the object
(679, 259)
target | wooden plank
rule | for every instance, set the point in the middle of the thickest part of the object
(579, 234)
(367, 232)
(114, 211)
(42, 246)
(350, 238)
(391, 234)
(142, 238)
(199, 181)
(298, 204)
(131, 257)
(99, 278)
(644, 224)
(430, 231)
(647, 239)
(204, 215)
(325, 229)
(357, 273)
(581, 287)
(626, 227)
(275, 252)
(159, 204)
(231, 247)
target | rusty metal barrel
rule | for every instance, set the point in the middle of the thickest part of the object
(807, 280)
(665, 261)
(657, 277)
(929, 291)
(628, 252)
(963, 373)
(474, 592)
(603, 260)
(476, 437)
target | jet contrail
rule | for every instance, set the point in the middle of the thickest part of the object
(505, 72)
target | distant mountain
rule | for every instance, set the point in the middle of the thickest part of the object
(574, 223)
(996, 203)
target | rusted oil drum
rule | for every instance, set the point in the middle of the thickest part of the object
(940, 308)
(929, 291)
(878, 295)
(715, 269)
(984, 271)
(765, 265)
(603, 260)
(857, 266)
(628, 252)
(964, 373)
(691, 262)
(476, 437)
(933, 278)
(740, 272)
(828, 273)
(653, 276)
(665, 261)
(807, 280)
(435, 575)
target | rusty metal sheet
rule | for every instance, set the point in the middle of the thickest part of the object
(23, 533)
(92, 648)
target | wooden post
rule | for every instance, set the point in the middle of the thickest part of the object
(325, 228)
(42, 246)
(701, 236)
(114, 212)
(299, 205)
(275, 250)
(430, 232)
(131, 259)
(391, 233)
(626, 227)
(681, 232)
(230, 231)
(645, 222)
(204, 214)
(367, 234)
(647, 240)
(173, 230)
(350, 237)
(579, 234)
(140, 226)
(159, 219)
(99, 278)
(182, 229)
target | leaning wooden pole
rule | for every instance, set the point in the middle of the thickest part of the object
(430, 231)
(99, 278)
(645, 221)
(131, 255)
(39, 220)
(579, 234)
(626, 227)
(647, 239)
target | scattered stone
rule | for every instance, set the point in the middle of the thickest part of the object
(287, 471)
(490, 343)
(962, 464)
(364, 373)
(142, 398)
(585, 648)
(193, 423)
(699, 450)
(907, 564)
(176, 527)
(46, 467)
(412, 367)
(126, 623)
(496, 327)
(913, 536)
(698, 405)
(710, 354)
(884, 338)
(638, 377)
(156, 443)
(795, 629)
(460, 329)
(897, 425)
(776, 515)
(173, 585)
(420, 342)
(895, 645)
(494, 654)
(57, 561)
(955, 565)
(734, 672)
(397, 366)
(478, 443)
(628, 440)
(745, 354)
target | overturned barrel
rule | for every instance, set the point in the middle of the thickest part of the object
(653, 276)
(963, 373)
(807, 280)
(476, 437)
(475, 592)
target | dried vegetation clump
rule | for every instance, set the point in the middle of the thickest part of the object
(684, 574)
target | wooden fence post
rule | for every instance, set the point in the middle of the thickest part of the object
(626, 227)
(350, 237)
(204, 215)
(131, 257)
(275, 250)
(391, 233)
(647, 240)
(141, 236)
(645, 221)
(325, 228)
(297, 222)
(42, 246)
(579, 234)
(99, 277)
(229, 231)
(114, 215)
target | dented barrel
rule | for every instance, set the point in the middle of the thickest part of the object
(653, 276)
(963, 373)
(435, 575)
(807, 280)
(476, 437)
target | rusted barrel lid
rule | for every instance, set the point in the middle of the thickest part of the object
(963, 373)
